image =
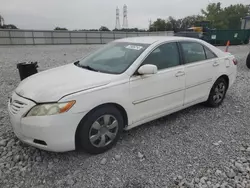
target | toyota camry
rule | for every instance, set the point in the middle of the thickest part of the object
(87, 104)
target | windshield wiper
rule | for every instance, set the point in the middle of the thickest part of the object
(88, 67)
(77, 63)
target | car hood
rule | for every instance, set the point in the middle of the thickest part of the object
(53, 84)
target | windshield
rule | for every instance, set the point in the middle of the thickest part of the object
(114, 58)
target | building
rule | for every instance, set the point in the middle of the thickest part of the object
(245, 23)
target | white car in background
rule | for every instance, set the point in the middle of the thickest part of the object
(87, 104)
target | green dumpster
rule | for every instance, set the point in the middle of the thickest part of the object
(220, 37)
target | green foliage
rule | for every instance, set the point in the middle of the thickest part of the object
(159, 25)
(216, 15)
(59, 28)
(130, 30)
(175, 24)
(8, 26)
(234, 15)
(220, 18)
(190, 21)
(225, 18)
(104, 28)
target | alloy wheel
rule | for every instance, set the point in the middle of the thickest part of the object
(103, 131)
(219, 92)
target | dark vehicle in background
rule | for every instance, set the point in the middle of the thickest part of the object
(248, 61)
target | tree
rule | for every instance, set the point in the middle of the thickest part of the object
(59, 28)
(215, 14)
(130, 30)
(190, 21)
(9, 26)
(234, 13)
(6, 26)
(220, 18)
(103, 28)
(225, 18)
(171, 24)
(158, 25)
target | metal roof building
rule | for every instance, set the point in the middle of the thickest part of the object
(245, 23)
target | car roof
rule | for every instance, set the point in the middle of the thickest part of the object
(159, 39)
(153, 39)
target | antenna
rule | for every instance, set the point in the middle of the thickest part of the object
(117, 23)
(125, 17)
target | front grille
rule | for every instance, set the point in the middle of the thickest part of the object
(16, 106)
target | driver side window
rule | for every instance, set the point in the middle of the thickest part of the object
(164, 56)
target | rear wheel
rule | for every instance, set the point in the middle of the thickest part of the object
(248, 61)
(217, 93)
(100, 130)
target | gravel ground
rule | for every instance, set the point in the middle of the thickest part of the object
(196, 147)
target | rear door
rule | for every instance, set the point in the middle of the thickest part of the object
(201, 66)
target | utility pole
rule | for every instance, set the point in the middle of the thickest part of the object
(150, 24)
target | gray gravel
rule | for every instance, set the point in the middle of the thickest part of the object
(197, 147)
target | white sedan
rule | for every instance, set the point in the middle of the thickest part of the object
(87, 104)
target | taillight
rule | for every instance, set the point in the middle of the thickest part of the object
(235, 61)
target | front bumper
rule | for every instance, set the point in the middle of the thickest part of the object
(52, 133)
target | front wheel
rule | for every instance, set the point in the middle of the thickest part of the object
(217, 93)
(100, 130)
(248, 61)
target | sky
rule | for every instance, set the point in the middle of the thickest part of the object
(91, 14)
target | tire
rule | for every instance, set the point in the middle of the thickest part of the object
(248, 61)
(246, 41)
(104, 137)
(217, 93)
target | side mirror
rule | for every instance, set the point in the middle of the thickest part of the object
(147, 69)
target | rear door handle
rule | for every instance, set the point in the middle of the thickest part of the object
(216, 64)
(180, 73)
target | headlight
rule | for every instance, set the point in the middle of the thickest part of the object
(50, 109)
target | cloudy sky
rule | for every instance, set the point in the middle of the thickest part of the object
(80, 14)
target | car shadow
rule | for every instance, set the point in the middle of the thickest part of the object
(154, 126)
(161, 122)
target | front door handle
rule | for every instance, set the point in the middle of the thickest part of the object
(216, 64)
(180, 73)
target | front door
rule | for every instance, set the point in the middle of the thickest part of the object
(160, 92)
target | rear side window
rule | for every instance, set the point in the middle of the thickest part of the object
(193, 52)
(209, 53)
